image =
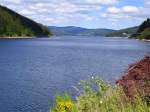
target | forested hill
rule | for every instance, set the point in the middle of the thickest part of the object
(139, 32)
(143, 31)
(13, 24)
(123, 32)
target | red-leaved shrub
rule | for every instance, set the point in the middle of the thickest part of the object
(136, 80)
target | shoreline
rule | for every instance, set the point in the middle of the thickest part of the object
(15, 38)
(144, 40)
(33, 37)
(25, 37)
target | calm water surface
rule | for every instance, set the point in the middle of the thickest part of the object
(32, 71)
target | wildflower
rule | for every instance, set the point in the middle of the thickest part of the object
(101, 102)
(68, 106)
(92, 77)
(65, 106)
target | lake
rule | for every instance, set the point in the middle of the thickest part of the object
(32, 71)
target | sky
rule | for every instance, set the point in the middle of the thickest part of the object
(111, 14)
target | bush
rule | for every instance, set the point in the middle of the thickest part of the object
(145, 35)
(98, 96)
(136, 80)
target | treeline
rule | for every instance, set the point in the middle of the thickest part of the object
(144, 30)
(123, 32)
(138, 32)
(13, 24)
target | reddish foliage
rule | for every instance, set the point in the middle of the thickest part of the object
(137, 79)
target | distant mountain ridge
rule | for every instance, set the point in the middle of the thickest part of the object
(78, 31)
(13, 24)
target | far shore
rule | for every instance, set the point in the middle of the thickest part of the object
(23, 37)
(31, 37)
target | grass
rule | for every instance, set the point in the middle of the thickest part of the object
(98, 96)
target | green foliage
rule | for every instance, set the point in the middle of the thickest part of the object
(139, 32)
(144, 25)
(145, 34)
(123, 32)
(143, 31)
(98, 96)
(13, 24)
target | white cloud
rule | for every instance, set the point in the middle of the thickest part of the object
(113, 10)
(52, 13)
(128, 12)
(59, 11)
(97, 2)
(104, 2)
(73, 11)
(27, 12)
(114, 17)
(12, 1)
(130, 9)
(62, 12)
(147, 3)
(124, 9)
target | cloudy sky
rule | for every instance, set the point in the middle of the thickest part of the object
(114, 14)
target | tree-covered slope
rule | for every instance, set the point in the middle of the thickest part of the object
(123, 32)
(78, 31)
(14, 24)
(143, 31)
(139, 32)
(97, 32)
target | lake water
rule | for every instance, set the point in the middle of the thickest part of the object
(32, 71)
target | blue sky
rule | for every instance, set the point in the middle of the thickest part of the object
(112, 14)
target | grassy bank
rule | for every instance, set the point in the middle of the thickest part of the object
(98, 96)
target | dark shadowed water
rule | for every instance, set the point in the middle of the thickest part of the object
(32, 71)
